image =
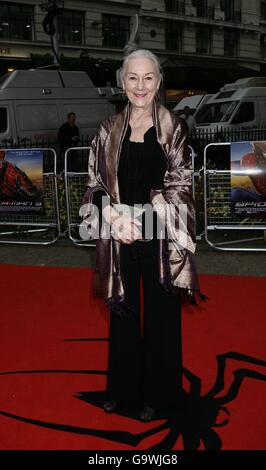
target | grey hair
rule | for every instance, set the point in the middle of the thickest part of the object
(144, 54)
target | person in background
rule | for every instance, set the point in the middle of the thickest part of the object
(187, 116)
(141, 156)
(68, 134)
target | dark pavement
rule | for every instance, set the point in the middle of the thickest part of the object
(65, 253)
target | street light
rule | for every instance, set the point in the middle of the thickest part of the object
(50, 24)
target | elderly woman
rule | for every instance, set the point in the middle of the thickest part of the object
(140, 156)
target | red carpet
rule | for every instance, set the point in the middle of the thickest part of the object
(53, 346)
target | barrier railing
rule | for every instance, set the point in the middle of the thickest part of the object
(75, 187)
(224, 229)
(36, 228)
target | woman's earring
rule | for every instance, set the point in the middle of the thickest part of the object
(157, 96)
(124, 96)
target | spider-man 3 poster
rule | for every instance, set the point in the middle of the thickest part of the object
(248, 178)
(21, 181)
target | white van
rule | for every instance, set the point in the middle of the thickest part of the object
(35, 103)
(237, 105)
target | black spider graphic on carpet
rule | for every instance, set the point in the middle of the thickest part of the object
(194, 418)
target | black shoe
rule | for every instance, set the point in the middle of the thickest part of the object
(147, 414)
(110, 406)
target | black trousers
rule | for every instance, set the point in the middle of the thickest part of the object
(145, 360)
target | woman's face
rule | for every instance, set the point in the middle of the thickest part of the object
(141, 82)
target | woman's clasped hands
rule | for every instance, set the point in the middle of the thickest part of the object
(124, 227)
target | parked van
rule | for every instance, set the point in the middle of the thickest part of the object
(237, 105)
(35, 103)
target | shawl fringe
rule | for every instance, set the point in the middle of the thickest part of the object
(120, 308)
(188, 296)
(192, 297)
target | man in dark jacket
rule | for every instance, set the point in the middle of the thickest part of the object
(68, 134)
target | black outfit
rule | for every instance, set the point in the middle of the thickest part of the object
(144, 361)
(64, 137)
(142, 166)
(65, 134)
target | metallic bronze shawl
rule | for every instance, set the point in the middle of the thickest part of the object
(176, 266)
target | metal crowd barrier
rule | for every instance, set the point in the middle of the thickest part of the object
(225, 230)
(76, 175)
(40, 228)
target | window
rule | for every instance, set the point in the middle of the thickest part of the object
(173, 36)
(216, 112)
(232, 10)
(263, 9)
(203, 10)
(71, 27)
(16, 21)
(115, 30)
(231, 42)
(3, 120)
(203, 39)
(245, 113)
(38, 115)
(175, 6)
(225, 94)
(263, 45)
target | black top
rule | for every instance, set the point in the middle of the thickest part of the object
(142, 166)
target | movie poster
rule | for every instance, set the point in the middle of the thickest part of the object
(248, 177)
(21, 181)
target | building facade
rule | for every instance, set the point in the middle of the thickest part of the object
(202, 44)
